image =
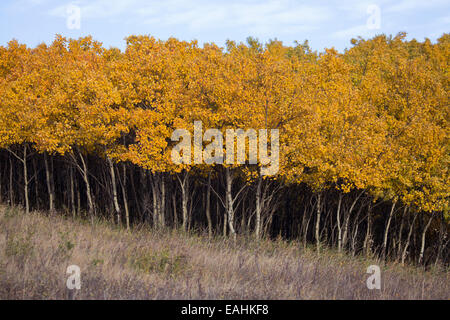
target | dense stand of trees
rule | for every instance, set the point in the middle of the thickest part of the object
(363, 138)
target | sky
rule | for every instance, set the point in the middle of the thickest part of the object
(324, 24)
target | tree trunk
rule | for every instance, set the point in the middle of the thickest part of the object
(347, 220)
(184, 185)
(72, 192)
(422, 244)
(225, 219)
(338, 218)
(386, 230)
(408, 238)
(162, 206)
(184, 205)
(442, 236)
(124, 196)
(229, 200)
(305, 233)
(25, 179)
(88, 188)
(318, 213)
(400, 233)
(114, 189)
(50, 184)
(175, 214)
(155, 211)
(36, 184)
(135, 197)
(242, 227)
(208, 206)
(303, 227)
(355, 232)
(367, 239)
(258, 208)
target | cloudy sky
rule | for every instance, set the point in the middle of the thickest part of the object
(323, 23)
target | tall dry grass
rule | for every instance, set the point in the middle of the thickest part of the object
(35, 250)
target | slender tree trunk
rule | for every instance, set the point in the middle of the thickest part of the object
(347, 220)
(36, 184)
(354, 239)
(355, 232)
(229, 199)
(50, 184)
(338, 218)
(25, 178)
(114, 189)
(88, 188)
(258, 208)
(367, 239)
(422, 244)
(184, 205)
(72, 192)
(77, 187)
(267, 223)
(408, 238)
(162, 206)
(442, 236)
(386, 230)
(324, 231)
(303, 227)
(318, 213)
(225, 219)
(155, 211)
(135, 197)
(400, 233)
(305, 237)
(184, 186)
(175, 214)
(124, 196)
(208, 206)
(242, 227)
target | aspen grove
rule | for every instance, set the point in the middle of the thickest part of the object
(363, 139)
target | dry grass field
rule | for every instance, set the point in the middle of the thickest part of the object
(36, 249)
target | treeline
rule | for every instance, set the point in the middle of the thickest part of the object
(363, 138)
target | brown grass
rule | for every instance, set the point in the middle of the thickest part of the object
(36, 249)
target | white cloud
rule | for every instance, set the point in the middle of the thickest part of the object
(324, 22)
(258, 16)
(360, 30)
(97, 9)
(416, 5)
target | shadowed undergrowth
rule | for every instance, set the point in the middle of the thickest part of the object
(36, 249)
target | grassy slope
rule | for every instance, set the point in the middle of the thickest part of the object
(36, 249)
